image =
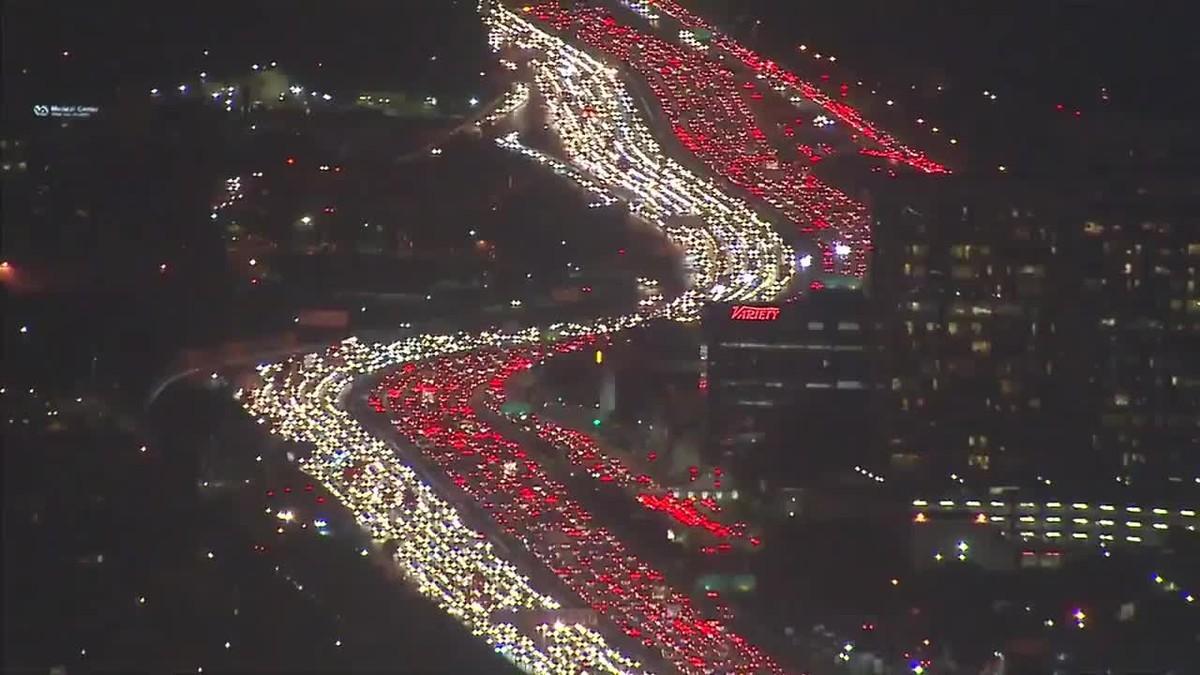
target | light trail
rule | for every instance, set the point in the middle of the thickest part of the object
(430, 405)
(788, 80)
(583, 451)
(710, 115)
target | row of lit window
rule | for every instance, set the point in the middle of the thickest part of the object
(792, 346)
(1082, 506)
(841, 325)
(1056, 521)
(1077, 506)
(1103, 536)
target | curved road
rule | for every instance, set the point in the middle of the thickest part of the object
(477, 524)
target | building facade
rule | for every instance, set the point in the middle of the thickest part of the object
(789, 386)
(1038, 335)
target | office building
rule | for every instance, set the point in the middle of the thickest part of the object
(789, 386)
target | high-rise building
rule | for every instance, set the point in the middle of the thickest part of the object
(789, 386)
(1139, 329)
(968, 281)
(1031, 332)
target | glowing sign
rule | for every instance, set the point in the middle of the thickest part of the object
(75, 111)
(751, 313)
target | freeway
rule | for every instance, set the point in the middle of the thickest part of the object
(471, 519)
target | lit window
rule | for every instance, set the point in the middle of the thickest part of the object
(979, 461)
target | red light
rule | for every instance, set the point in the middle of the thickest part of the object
(290, 161)
(270, 493)
(320, 499)
(1059, 107)
(287, 490)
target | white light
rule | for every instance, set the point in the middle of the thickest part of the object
(473, 102)
(841, 249)
(806, 262)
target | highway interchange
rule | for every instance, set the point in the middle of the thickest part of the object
(471, 518)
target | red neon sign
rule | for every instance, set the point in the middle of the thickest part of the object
(751, 313)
